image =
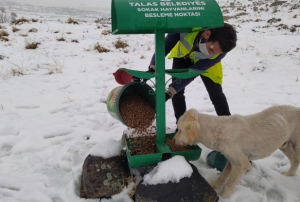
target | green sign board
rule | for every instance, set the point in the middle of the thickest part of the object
(144, 16)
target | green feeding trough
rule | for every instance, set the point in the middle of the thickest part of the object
(159, 17)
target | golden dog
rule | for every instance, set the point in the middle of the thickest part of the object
(243, 138)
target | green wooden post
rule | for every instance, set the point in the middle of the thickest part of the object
(160, 86)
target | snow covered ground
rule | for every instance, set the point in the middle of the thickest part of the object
(52, 98)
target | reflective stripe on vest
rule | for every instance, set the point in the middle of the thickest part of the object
(184, 46)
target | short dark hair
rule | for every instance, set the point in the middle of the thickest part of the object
(226, 36)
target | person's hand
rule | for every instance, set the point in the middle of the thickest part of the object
(151, 69)
(169, 93)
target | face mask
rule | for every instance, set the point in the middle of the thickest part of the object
(202, 47)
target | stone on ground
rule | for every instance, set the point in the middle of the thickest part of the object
(193, 189)
(102, 178)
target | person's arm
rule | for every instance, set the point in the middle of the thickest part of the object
(200, 65)
(207, 63)
(170, 41)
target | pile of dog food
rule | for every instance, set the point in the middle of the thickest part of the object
(175, 148)
(146, 145)
(136, 112)
(142, 145)
(139, 114)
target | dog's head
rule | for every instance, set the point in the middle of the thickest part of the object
(188, 128)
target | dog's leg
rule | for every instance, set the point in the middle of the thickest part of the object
(293, 154)
(222, 178)
(239, 167)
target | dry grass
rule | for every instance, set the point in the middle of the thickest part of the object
(71, 21)
(103, 20)
(4, 38)
(31, 45)
(106, 32)
(274, 20)
(20, 21)
(4, 74)
(17, 70)
(98, 20)
(295, 6)
(120, 44)
(14, 29)
(126, 182)
(58, 66)
(123, 61)
(61, 39)
(75, 41)
(24, 35)
(101, 49)
(3, 33)
(33, 30)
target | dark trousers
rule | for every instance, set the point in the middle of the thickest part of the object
(214, 90)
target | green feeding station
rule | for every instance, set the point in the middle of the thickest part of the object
(159, 17)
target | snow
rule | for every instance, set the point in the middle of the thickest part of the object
(52, 99)
(171, 170)
(106, 149)
(103, 5)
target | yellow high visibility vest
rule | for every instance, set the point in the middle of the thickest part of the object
(184, 46)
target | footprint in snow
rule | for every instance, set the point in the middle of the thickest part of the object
(27, 107)
(274, 196)
(5, 150)
(12, 116)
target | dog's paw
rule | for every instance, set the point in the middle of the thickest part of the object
(288, 174)
(226, 192)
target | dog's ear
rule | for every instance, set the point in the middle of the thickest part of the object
(192, 135)
(191, 115)
(192, 125)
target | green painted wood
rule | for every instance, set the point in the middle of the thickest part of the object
(160, 86)
(144, 16)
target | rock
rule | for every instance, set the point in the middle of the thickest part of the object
(193, 189)
(102, 178)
